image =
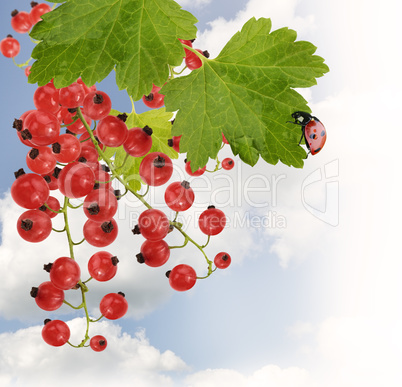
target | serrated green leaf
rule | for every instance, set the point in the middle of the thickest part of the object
(246, 93)
(159, 121)
(89, 38)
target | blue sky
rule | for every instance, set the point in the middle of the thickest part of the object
(312, 299)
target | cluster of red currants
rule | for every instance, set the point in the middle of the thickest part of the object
(81, 176)
(22, 22)
(74, 163)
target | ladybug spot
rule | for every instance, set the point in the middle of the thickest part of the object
(315, 130)
(323, 133)
(313, 136)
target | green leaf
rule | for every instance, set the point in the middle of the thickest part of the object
(89, 38)
(158, 120)
(246, 93)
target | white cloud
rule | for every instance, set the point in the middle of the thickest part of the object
(360, 351)
(194, 3)
(26, 360)
(270, 375)
(281, 12)
(300, 329)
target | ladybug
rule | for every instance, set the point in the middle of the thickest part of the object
(313, 131)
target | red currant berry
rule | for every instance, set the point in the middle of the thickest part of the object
(187, 43)
(174, 142)
(37, 11)
(77, 127)
(71, 96)
(27, 71)
(138, 142)
(154, 224)
(182, 277)
(43, 127)
(46, 98)
(85, 87)
(112, 131)
(198, 172)
(212, 221)
(98, 343)
(52, 203)
(100, 205)
(86, 141)
(34, 226)
(67, 148)
(113, 306)
(100, 234)
(224, 139)
(20, 21)
(97, 105)
(41, 160)
(156, 169)
(154, 253)
(179, 196)
(64, 273)
(30, 191)
(193, 61)
(103, 178)
(102, 266)
(154, 100)
(19, 126)
(227, 164)
(89, 153)
(55, 333)
(51, 180)
(222, 260)
(10, 47)
(76, 180)
(47, 296)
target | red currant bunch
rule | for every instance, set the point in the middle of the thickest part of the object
(74, 164)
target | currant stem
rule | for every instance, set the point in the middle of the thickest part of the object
(72, 306)
(57, 212)
(124, 161)
(146, 191)
(210, 271)
(189, 239)
(84, 289)
(78, 243)
(206, 244)
(22, 64)
(67, 227)
(91, 320)
(73, 122)
(176, 73)
(75, 207)
(179, 247)
(64, 229)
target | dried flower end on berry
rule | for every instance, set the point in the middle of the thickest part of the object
(222, 260)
